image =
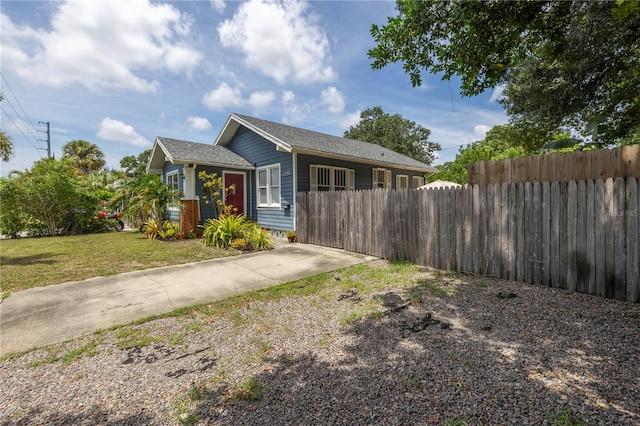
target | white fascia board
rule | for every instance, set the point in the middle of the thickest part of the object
(212, 164)
(154, 153)
(229, 130)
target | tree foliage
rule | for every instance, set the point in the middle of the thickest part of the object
(135, 166)
(501, 142)
(562, 62)
(394, 132)
(85, 155)
(145, 198)
(6, 147)
(48, 199)
(6, 144)
(591, 73)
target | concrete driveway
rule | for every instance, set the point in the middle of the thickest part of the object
(46, 315)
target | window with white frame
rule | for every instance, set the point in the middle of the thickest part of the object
(328, 178)
(172, 180)
(402, 182)
(268, 180)
(417, 182)
(381, 178)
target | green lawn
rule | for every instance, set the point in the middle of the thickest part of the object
(36, 262)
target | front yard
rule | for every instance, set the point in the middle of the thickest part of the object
(36, 262)
(376, 343)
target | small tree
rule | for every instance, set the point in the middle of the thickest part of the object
(49, 195)
(144, 198)
(6, 144)
(85, 155)
(214, 188)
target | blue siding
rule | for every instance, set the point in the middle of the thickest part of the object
(261, 152)
(208, 210)
(363, 171)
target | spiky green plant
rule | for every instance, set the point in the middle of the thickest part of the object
(220, 232)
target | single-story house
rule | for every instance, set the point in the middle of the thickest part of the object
(267, 163)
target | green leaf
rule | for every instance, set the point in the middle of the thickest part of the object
(561, 143)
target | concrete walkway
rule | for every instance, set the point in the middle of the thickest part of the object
(46, 315)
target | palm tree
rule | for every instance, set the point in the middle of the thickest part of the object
(6, 144)
(86, 155)
(6, 147)
(145, 198)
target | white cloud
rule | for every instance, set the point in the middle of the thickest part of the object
(350, 119)
(260, 100)
(497, 94)
(292, 111)
(102, 45)
(117, 131)
(198, 124)
(479, 132)
(218, 5)
(332, 99)
(281, 39)
(225, 96)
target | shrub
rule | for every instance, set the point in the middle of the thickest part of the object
(220, 232)
(151, 229)
(241, 244)
(169, 231)
(235, 231)
(260, 239)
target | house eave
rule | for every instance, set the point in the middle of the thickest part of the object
(233, 124)
(214, 164)
(363, 160)
(165, 153)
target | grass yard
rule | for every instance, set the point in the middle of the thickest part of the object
(37, 262)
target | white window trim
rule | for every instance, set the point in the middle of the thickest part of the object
(387, 178)
(166, 181)
(417, 182)
(313, 177)
(270, 203)
(399, 179)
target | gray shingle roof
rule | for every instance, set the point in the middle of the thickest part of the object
(201, 153)
(321, 143)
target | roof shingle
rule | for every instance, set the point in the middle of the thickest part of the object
(194, 152)
(321, 143)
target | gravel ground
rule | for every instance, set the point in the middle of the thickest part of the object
(431, 348)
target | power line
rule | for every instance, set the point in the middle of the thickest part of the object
(17, 100)
(17, 116)
(18, 127)
(15, 72)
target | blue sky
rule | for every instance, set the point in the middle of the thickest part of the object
(119, 73)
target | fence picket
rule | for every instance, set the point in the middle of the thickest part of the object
(632, 216)
(609, 242)
(620, 240)
(580, 257)
(601, 224)
(590, 246)
(572, 207)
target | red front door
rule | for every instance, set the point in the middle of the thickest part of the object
(234, 183)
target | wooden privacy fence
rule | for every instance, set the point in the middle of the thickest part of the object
(581, 236)
(562, 167)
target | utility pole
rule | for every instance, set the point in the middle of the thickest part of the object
(48, 138)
